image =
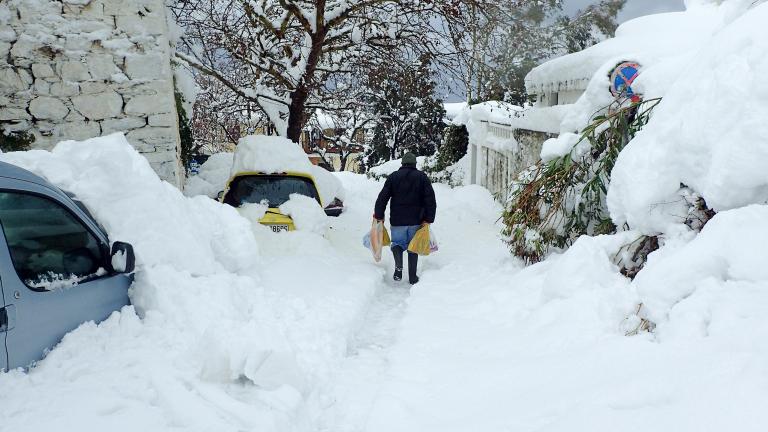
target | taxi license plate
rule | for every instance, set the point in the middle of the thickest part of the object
(278, 228)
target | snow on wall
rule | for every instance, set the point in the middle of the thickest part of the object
(505, 139)
(77, 69)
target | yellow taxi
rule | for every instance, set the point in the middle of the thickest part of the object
(270, 189)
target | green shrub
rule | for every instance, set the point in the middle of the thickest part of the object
(16, 141)
(554, 203)
(453, 147)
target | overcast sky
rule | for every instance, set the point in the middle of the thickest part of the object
(634, 8)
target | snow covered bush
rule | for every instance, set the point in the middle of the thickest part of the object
(556, 201)
(449, 164)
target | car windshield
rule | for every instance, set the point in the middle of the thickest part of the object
(271, 190)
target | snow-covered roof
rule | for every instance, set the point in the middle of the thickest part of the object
(644, 39)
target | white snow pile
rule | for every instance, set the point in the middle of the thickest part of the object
(231, 337)
(306, 214)
(671, 47)
(708, 133)
(269, 155)
(212, 177)
(384, 169)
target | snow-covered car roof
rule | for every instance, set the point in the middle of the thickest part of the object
(269, 155)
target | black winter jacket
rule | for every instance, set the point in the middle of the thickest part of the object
(413, 199)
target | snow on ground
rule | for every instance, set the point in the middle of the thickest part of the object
(468, 237)
(231, 336)
(232, 330)
(236, 328)
(544, 349)
(224, 332)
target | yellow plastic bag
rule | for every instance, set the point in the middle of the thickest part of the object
(386, 241)
(423, 242)
(377, 238)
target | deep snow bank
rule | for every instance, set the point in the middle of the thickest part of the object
(231, 336)
(545, 349)
(708, 133)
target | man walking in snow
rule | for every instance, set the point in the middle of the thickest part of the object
(413, 205)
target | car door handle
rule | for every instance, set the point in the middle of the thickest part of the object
(3, 319)
(7, 318)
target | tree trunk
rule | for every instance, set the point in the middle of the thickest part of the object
(300, 95)
(343, 160)
(296, 113)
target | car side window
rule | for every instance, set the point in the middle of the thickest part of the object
(50, 247)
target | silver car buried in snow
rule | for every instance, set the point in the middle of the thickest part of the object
(57, 269)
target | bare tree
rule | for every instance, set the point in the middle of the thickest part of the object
(484, 36)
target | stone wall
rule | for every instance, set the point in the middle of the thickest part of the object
(76, 69)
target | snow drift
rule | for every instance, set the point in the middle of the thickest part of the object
(708, 133)
(212, 177)
(227, 324)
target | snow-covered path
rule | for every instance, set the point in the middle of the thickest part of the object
(356, 384)
(463, 260)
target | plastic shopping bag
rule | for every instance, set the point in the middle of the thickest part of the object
(424, 241)
(376, 239)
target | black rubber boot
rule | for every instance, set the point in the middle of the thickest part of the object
(413, 265)
(397, 252)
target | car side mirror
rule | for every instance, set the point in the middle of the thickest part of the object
(122, 257)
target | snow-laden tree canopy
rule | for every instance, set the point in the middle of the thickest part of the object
(288, 56)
